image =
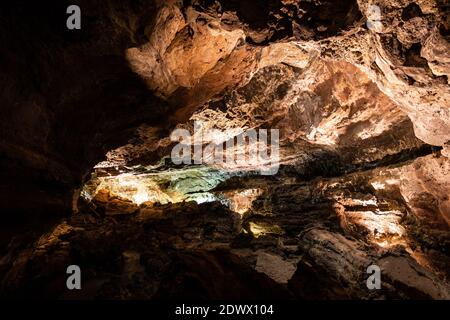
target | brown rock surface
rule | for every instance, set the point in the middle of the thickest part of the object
(360, 92)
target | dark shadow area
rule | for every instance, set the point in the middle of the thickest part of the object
(68, 97)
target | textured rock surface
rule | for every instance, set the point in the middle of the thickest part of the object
(318, 244)
(360, 92)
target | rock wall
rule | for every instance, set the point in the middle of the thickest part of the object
(359, 90)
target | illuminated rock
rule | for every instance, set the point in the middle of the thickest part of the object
(359, 92)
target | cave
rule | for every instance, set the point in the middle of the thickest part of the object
(225, 150)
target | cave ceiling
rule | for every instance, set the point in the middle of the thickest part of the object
(359, 92)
